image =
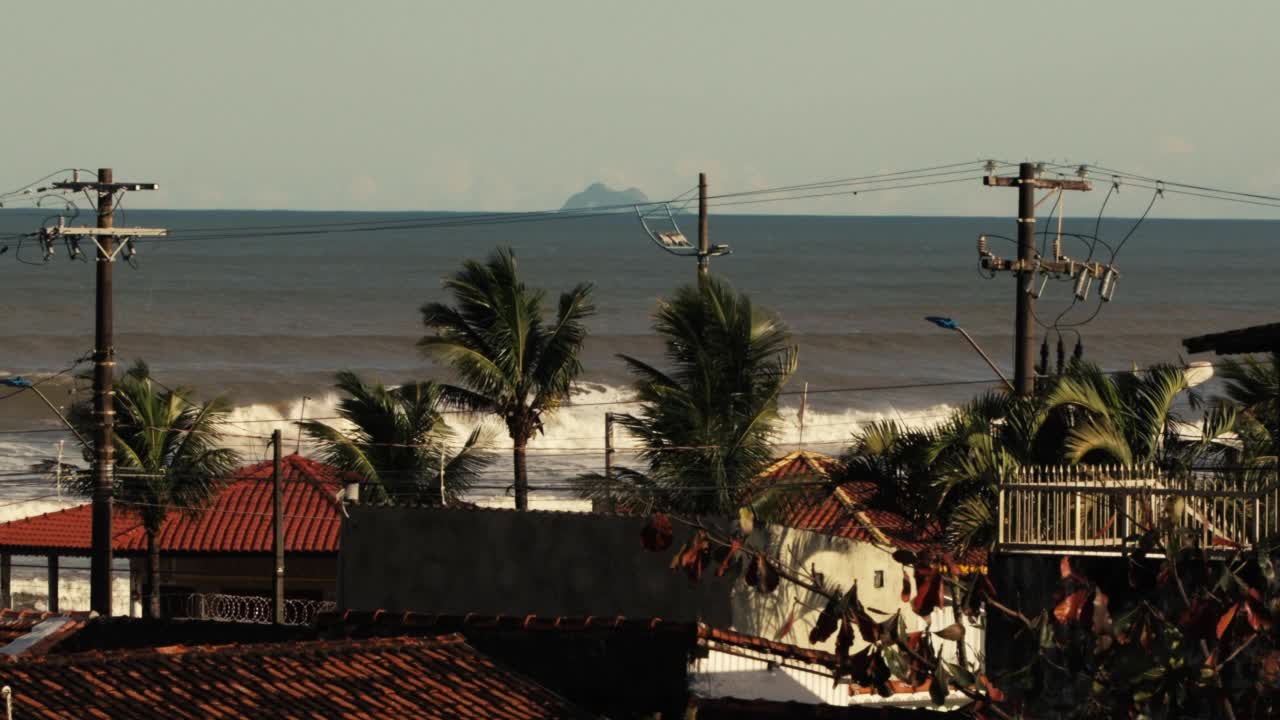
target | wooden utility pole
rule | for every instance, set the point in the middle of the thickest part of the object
(104, 237)
(704, 238)
(104, 414)
(1027, 264)
(608, 458)
(277, 533)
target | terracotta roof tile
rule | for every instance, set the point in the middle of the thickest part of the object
(238, 520)
(382, 622)
(386, 677)
(16, 623)
(731, 638)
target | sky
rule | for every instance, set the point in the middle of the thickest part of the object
(416, 105)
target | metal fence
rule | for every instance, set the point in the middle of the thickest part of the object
(1096, 507)
(253, 608)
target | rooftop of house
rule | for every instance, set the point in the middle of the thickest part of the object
(598, 658)
(843, 511)
(1255, 339)
(237, 521)
(373, 678)
(29, 632)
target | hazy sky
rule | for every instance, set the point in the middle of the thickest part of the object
(516, 105)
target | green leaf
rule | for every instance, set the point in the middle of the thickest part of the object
(961, 675)
(938, 689)
(898, 665)
(1267, 567)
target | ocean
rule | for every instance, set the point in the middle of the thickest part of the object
(268, 321)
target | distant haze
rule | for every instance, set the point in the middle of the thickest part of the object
(333, 104)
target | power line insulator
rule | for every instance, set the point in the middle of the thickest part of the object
(1108, 286)
(1083, 281)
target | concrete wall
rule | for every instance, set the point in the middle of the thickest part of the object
(457, 561)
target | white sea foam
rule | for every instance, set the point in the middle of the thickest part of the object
(573, 438)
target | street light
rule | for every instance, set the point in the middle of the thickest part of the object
(24, 384)
(947, 323)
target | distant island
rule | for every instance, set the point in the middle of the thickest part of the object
(601, 195)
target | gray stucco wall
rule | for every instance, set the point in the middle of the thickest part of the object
(457, 561)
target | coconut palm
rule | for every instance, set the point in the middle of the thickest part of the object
(398, 442)
(511, 361)
(1124, 418)
(948, 475)
(708, 423)
(167, 456)
(895, 458)
(1253, 385)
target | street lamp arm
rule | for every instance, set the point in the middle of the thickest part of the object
(26, 385)
(992, 364)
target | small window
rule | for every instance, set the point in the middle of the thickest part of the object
(879, 579)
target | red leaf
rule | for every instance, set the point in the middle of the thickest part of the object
(729, 557)
(1069, 609)
(768, 576)
(695, 555)
(1255, 612)
(859, 665)
(906, 586)
(1271, 667)
(1225, 621)
(928, 591)
(867, 627)
(844, 638)
(992, 691)
(826, 623)
(1101, 621)
(656, 535)
(1064, 567)
(752, 576)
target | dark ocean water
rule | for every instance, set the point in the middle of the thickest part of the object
(268, 320)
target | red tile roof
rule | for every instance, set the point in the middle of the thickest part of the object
(379, 678)
(238, 520)
(16, 623)
(800, 465)
(417, 622)
(843, 512)
(30, 632)
(735, 708)
(720, 637)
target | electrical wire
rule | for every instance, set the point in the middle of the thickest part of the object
(79, 361)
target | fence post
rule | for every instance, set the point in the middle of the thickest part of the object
(1000, 515)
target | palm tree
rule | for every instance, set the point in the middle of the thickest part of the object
(398, 442)
(895, 458)
(1254, 386)
(1127, 418)
(511, 362)
(167, 456)
(707, 425)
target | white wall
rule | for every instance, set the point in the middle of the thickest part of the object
(842, 562)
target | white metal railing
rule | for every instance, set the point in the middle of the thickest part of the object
(253, 608)
(1096, 507)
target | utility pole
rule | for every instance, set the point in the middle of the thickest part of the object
(104, 237)
(302, 417)
(277, 533)
(704, 238)
(1027, 264)
(608, 458)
